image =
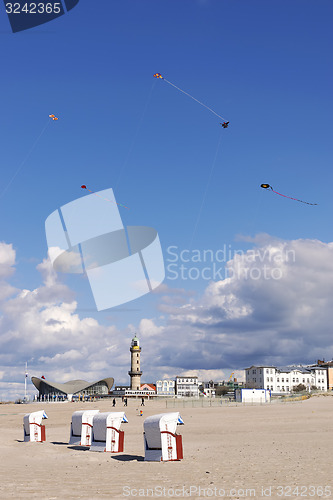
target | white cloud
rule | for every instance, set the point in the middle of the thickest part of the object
(147, 328)
(204, 375)
(275, 307)
(7, 260)
(42, 325)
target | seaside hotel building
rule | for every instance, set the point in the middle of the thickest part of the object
(286, 378)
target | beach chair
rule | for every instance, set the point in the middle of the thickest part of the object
(32, 426)
(81, 427)
(106, 433)
(160, 439)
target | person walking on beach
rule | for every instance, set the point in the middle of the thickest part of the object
(114, 402)
(142, 401)
(125, 401)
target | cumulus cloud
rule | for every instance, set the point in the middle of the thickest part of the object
(273, 307)
(7, 263)
(42, 326)
(7, 260)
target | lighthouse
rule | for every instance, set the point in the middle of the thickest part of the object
(135, 372)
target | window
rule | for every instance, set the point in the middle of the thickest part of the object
(267, 370)
(278, 380)
(282, 380)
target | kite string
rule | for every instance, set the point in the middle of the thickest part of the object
(25, 159)
(105, 199)
(199, 102)
(206, 190)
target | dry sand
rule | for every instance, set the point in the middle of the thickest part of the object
(229, 452)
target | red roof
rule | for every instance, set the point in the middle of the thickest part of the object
(148, 387)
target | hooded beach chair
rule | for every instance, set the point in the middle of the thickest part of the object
(160, 439)
(106, 433)
(81, 427)
(33, 428)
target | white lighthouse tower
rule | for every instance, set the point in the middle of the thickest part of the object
(135, 372)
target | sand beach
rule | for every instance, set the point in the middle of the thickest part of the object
(266, 451)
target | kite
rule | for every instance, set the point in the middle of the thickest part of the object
(267, 186)
(105, 199)
(54, 118)
(224, 124)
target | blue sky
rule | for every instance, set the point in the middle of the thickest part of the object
(266, 67)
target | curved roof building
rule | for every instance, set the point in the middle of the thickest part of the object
(100, 388)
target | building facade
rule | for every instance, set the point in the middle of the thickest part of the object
(187, 387)
(47, 389)
(165, 388)
(329, 367)
(285, 379)
(120, 390)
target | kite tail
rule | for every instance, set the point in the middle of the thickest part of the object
(194, 99)
(290, 198)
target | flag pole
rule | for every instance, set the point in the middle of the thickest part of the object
(25, 381)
